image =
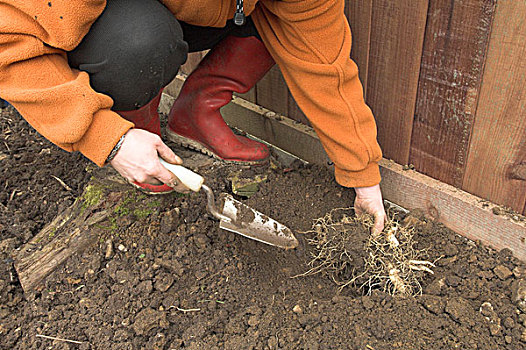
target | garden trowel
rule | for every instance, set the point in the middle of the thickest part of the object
(235, 216)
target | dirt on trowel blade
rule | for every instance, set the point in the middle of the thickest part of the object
(255, 225)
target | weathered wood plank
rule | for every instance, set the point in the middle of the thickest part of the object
(458, 210)
(360, 13)
(498, 143)
(456, 40)
(70, 232)
(397, 33)
(280, 131)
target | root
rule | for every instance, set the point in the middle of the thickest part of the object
(346, 251)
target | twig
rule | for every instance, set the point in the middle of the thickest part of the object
(62, 183)
(59, 339)
(187, 310)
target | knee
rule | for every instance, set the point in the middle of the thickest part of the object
(150, 37)
(133, 50)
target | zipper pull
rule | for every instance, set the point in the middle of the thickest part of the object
(239, 17)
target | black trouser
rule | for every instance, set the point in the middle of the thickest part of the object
(136, 47)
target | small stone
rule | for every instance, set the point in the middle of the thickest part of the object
(508, 339)
(523, 336)
(122, 248)
(522, 318)
(502, 272)
(109, 249)
(297, 309)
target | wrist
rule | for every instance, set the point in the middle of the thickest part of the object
(367, 188)
(115, 149)
(367, 191)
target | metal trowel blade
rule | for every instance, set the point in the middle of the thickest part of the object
(255, 225)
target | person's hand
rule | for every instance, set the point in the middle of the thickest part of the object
(369, 200)
(138, 160)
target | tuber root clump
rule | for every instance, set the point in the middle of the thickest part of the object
(344, 249)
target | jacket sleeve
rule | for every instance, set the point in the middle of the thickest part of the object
(311, 42)
(56, 100)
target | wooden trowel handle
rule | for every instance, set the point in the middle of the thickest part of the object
(190, 179)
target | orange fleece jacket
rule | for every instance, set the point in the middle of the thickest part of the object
(309, 39)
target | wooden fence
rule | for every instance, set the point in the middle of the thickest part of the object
(446, 82)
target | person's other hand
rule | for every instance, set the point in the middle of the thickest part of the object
(138, 160)
(369, 200)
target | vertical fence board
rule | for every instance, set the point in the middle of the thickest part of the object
(498, 144)
(249, 96)
(272, 91)
(294, 111)
(397, 34)
(359, 13)
(455, 46)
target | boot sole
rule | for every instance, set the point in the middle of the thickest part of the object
(197, 146)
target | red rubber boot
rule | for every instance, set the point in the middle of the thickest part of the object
(234, 65)
(147, 118)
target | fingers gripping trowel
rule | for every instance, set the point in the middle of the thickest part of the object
(236, 216)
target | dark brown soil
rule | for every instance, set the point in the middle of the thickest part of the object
(177, 281)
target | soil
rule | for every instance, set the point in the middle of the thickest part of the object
(172, 279)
